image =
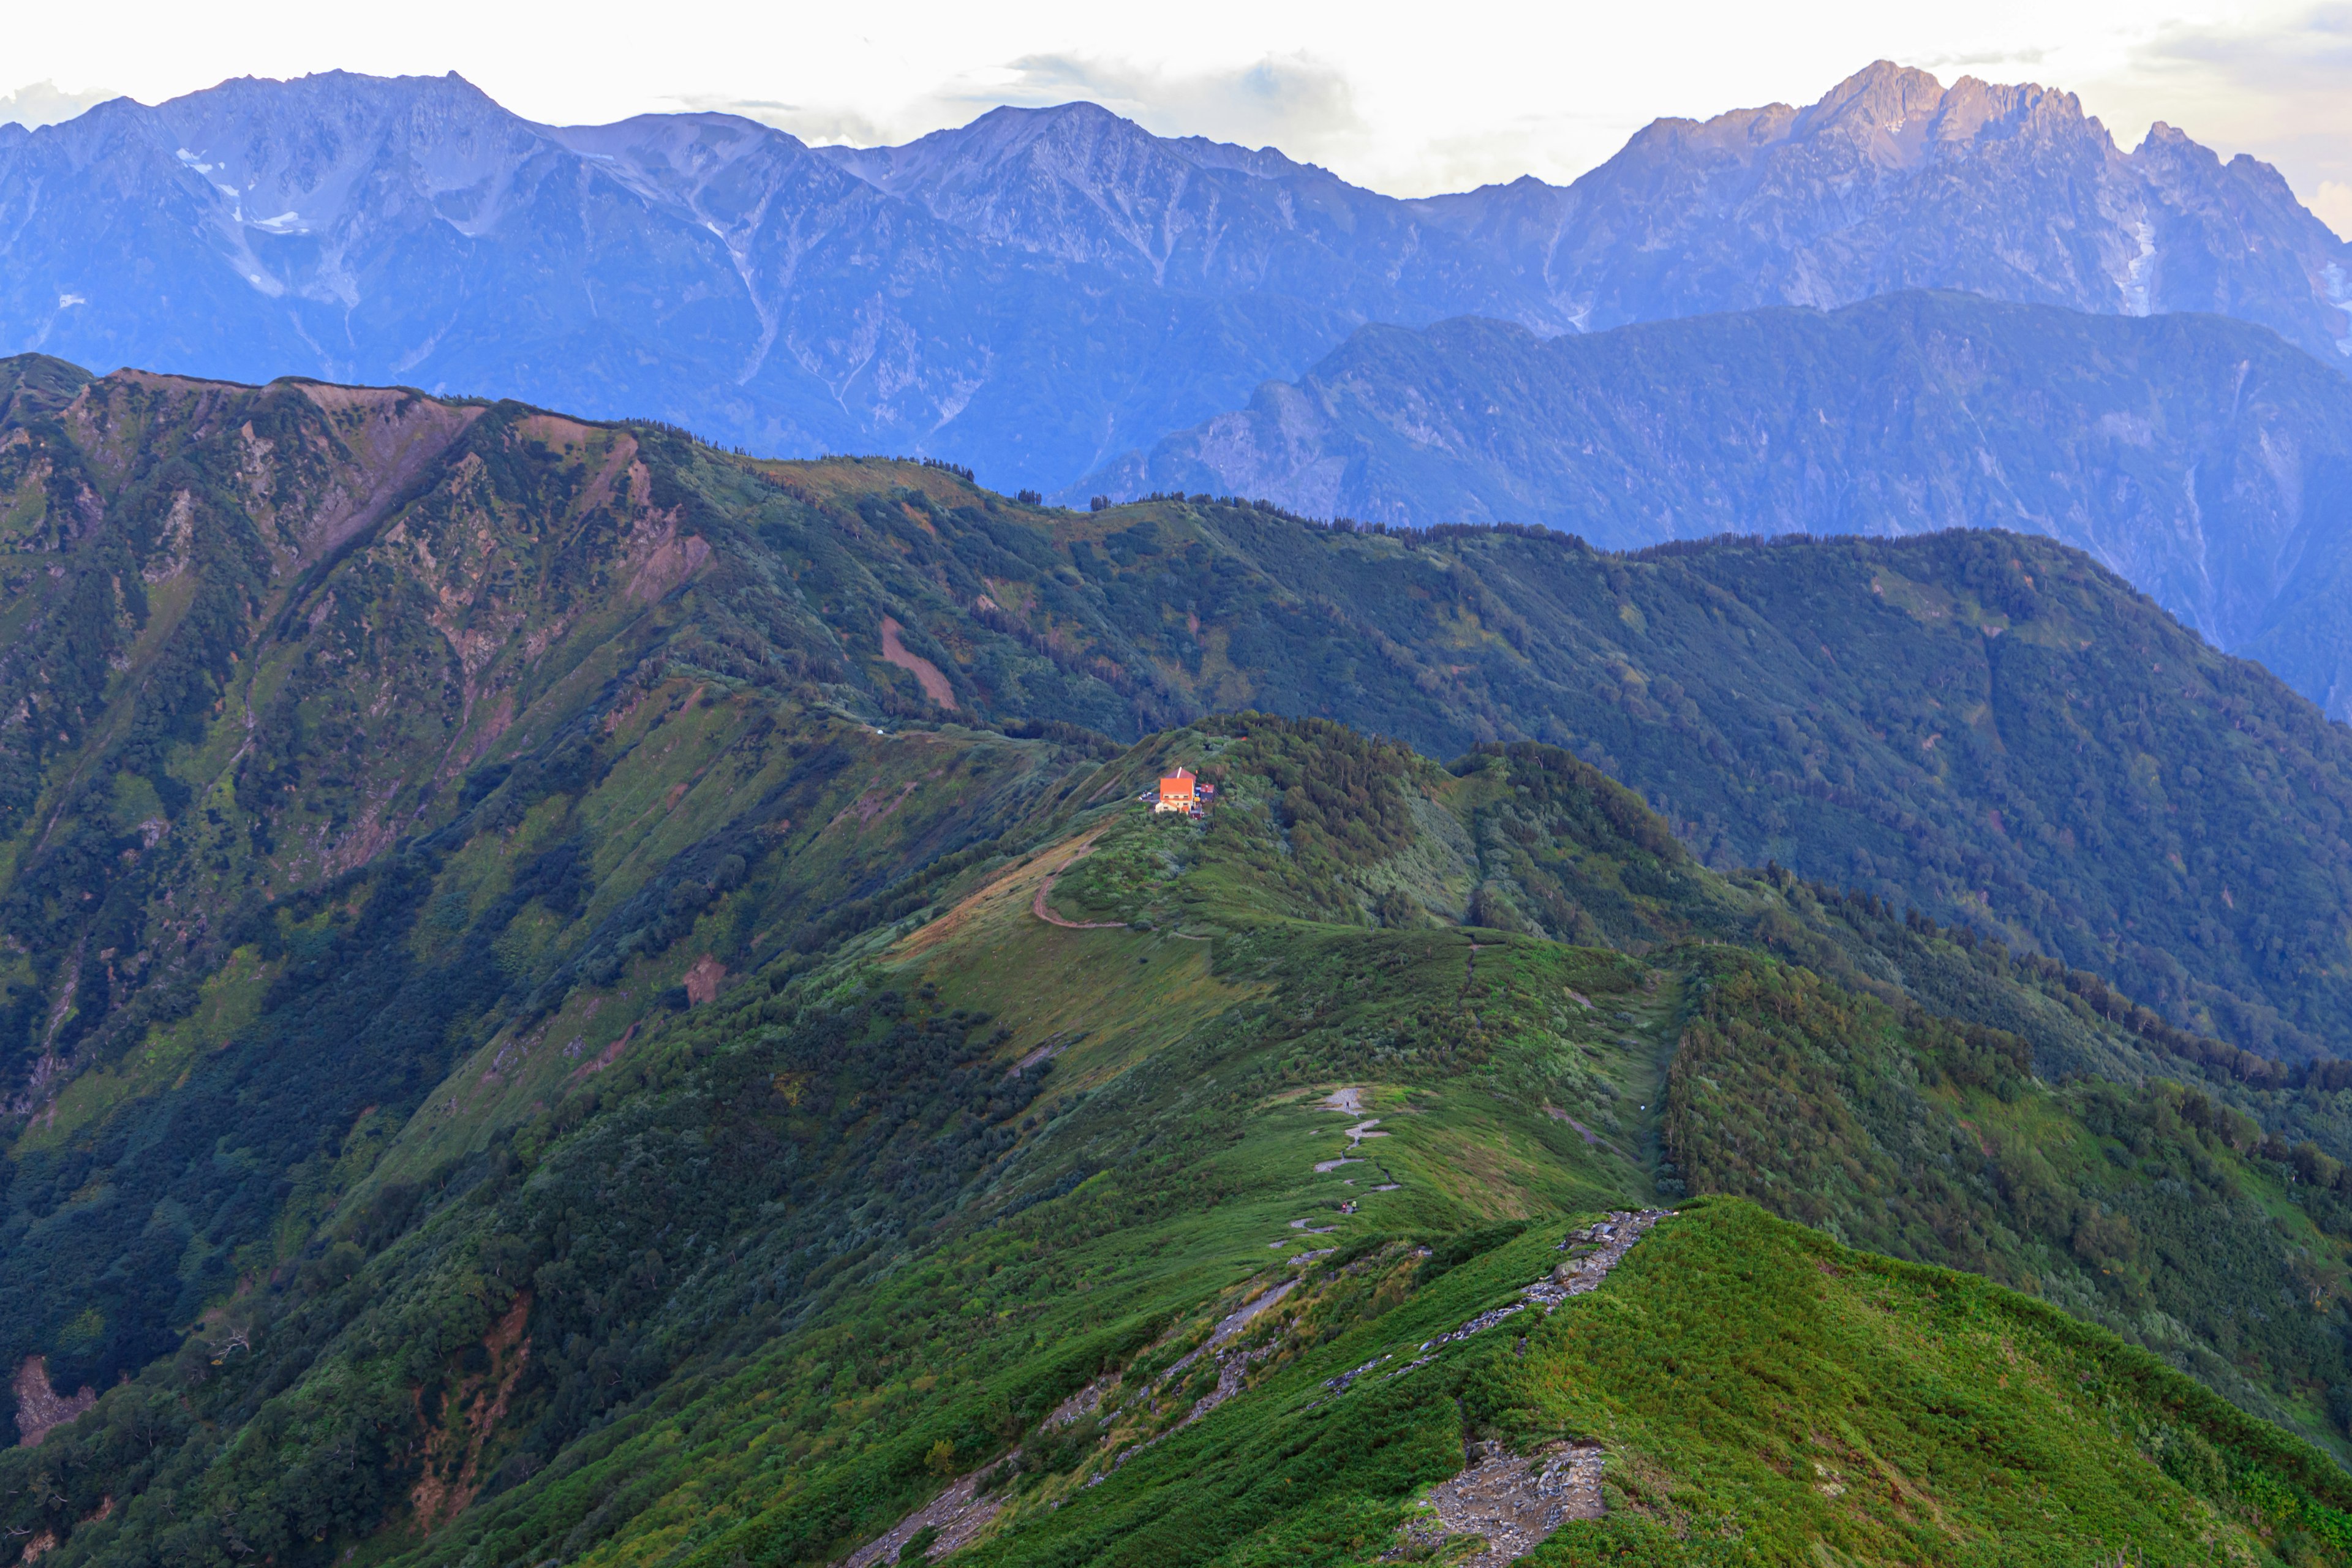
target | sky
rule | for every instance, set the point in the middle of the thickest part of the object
(1405, 99)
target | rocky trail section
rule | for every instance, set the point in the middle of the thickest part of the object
(957, 1515)
(1510, 1503)
(1349, 1102)
(1593, 1253)
(1234, 1363)
(963, 1510)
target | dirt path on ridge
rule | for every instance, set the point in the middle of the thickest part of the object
(1045, 891)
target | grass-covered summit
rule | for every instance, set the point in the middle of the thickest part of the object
(947, 1234)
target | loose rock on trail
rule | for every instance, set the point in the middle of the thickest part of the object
(1513, 1503)
(957, 1513)
(1593, 1252)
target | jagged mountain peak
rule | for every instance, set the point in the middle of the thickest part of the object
(320, 153)
(1081, 183)
(1895, 117)
(1912, 117)
(1882, 92)
(1894, 181)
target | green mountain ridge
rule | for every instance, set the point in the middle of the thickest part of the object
(1957, 751)
(949, 1209)
(2205, 460)
(531, 1036)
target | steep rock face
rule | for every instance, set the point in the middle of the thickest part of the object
(1894, 182)
(2198, 457)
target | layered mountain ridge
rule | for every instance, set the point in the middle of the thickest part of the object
(2201, 458)
(1986, 726)
(1041, 290)
(575, 994)
(573, 997)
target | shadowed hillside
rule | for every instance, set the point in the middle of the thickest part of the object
(223, 588)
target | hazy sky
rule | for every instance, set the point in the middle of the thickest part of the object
(1407, 99)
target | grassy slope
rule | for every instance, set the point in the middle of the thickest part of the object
(654, 778)
(1989, 728)
(768, 1262)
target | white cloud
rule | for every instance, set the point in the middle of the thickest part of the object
(2332, 204)
(1304, 105)
(45, 104)
(819, 124)
(2275, 83)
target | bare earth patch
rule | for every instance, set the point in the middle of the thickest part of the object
(1043, 912)
(927, 674)
(702, 981)
(39, 1406)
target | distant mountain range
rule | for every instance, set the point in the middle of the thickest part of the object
(1040, 292)
(2201, 459)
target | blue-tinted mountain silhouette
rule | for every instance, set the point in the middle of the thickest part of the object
(1044, 289)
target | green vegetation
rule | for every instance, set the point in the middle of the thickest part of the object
(533, 1040)
(958, 1199)
(1895, 415)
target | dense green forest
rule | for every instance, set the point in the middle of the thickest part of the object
(531, 1038)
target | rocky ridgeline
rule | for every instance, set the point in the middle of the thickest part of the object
(1509, 1500)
